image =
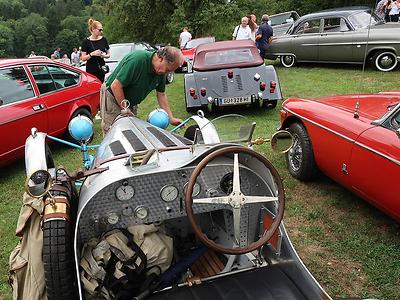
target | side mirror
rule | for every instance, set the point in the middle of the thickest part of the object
(38, 183)
(282, 141)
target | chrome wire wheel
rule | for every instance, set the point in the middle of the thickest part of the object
(295, 154)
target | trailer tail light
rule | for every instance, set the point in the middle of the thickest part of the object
(192, 92)
(272, 86)
(230, 74)
(203, 91)
(262, 86)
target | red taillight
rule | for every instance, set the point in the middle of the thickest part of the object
(230, 74)
(262, 86)
(192, 92)
(203, 91)
(272, 86)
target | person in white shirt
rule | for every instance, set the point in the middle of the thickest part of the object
(242, 31)
(75, 59)
(184, 37)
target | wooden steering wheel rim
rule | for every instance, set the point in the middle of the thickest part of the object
(189, 201)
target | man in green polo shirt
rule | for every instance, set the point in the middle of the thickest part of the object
(135, 77)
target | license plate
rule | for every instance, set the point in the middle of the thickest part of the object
(235, 100)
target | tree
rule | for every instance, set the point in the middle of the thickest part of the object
(76, 23)
(12, 9)
(6, 40)
(32, 35)
(67, 40)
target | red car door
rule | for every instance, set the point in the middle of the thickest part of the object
(20, 110)
(375, 168)
(57, 88)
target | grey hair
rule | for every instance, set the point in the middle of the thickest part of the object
(170, 54)
(264, 18)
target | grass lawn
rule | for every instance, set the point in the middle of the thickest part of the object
(350, 247)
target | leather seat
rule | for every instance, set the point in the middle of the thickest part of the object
(267, 283)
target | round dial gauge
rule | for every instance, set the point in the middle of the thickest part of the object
(169, 193)
(124, 192)
(196, 189)
(141, 212)
(112, 218)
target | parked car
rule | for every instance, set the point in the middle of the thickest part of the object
(41, 93)
(345, 35)
(189, 50)
(230, 73)
(281, 22)
(353, 139)
(214, 207)
(118, 52)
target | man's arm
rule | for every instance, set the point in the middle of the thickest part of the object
(118, 91)
(163, 102)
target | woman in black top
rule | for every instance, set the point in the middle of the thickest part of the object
(94, 49)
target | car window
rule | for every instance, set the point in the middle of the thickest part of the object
(14, 85)
(196, 42)
(311, 26)
(281, 19)
(228, 56)
(363, 19)
(43, 79)
(118, 52)
(51, 78)
(335, 25)
(141, 47)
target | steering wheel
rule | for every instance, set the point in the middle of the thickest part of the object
(236, 200)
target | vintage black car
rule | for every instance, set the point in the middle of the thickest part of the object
(230, 73)
(344, 35)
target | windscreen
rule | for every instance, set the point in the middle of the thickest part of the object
(195, 42)
(228, 56)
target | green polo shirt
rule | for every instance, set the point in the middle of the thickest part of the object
(135, 73)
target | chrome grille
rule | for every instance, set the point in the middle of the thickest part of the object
(224, 83)
(239, 82)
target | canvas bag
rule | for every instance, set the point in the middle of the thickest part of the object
(97, 254)
(26, 271)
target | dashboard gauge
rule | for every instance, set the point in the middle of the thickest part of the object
(125, 192)
(169, 193)
(112, 218)
(141, 212)
(196, 189)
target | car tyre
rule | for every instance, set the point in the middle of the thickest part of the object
(385, 61)
(58, 260)
(300, 158)
(270, 104)
(288, 61)
(79, 111)
(170, 77)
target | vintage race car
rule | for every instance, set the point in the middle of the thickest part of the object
(353, 139)
(219, 202)
(343, 35)
(230, 73)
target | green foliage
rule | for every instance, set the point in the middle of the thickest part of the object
(76, 23)
(6, 40)
(67, 39)
(12, 9)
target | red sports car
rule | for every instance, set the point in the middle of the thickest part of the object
(190, 48)
(41, 93)
(353, 139)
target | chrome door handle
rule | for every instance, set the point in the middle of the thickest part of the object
(38, 107)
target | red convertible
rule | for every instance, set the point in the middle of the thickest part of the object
(41, 93)
(353, 139)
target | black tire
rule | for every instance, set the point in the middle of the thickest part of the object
(385, 61)
(79, 111)
(270, 104)
(288, 61)
(58, 260)
(300, 159)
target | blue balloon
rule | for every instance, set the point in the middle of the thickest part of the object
(158, 118)
(81, 128)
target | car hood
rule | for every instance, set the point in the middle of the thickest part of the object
(370, 106)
